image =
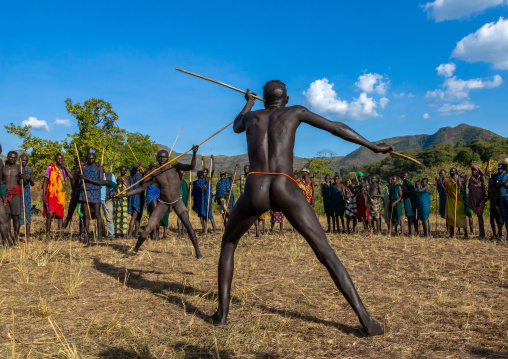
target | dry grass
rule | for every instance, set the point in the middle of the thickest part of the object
(441, 298)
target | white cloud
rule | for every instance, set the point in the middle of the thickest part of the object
(441, 10)
(446, 70)
(65, 122)
(383, 101)
(373, 83)
(488, 44)
(36, 124)
(456, 89)
(448, 109)
(425, 116)
(323, 98)
(410, 95)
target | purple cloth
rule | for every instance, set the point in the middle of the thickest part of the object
(48, 171)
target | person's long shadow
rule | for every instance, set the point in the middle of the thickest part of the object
(170, 291)
(356, 331)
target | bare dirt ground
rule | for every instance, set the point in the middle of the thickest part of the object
(440, 298)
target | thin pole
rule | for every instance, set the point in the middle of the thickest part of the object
(102, 157)
(174, 159)
(188, 197)
(219, 83)
(86, 195)
(23, 194)
(170, 152)
(210, 188)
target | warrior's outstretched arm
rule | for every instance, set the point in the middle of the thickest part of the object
(180, 166)
(340, 130)
(239, 125)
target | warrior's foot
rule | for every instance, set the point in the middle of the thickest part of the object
(215, 320)
(65, 223)
(199, 255)
(374, 328)
(130, 254)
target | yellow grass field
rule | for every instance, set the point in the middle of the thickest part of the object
(441, 298)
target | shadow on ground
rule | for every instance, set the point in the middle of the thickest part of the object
(172, 292)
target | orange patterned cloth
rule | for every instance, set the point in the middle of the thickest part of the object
(306, 188)
(55, 193)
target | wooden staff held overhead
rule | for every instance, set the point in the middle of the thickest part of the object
(23, 195)
(261, 99)
(86, 195)
(173, 160)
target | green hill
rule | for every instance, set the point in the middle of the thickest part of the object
(445, 135)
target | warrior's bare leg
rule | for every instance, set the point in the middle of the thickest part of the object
(154, 219)
(183, 215)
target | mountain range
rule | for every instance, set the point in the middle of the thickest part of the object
(363, 156)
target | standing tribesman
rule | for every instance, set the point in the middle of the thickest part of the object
(203, 199)
(396, 205)
(28, 180)
(91, 179)
(502, 184)
(478, 196)
(12, 199)
(375, 195)
(168, 181)
(120, 204)
(73, 203)
(455, 215)
(409, 199)
(222, 195)
(423, 204)
(54, 190)
(107, 207)
(135, 202)
(337, 204)
(326, 193)
(5, 236)
(270, 141)
(441, 188)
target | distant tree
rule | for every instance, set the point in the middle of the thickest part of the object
(42, 152)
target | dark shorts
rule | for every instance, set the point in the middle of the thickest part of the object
(13, 207)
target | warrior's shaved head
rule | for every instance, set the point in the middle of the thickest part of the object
(274, 90)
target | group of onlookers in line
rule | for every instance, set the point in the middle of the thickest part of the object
(93, 196)
(459, 196)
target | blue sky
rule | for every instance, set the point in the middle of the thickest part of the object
(371, 64)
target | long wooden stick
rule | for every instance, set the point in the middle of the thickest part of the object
(173, 160)
(404, 156)
(174, 143)
(86, 196)
(210, 188)
(219, 83)
(23, 194)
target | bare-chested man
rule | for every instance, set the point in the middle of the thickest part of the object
(28, 181)
(3, 216)
(270, 141)
(12, 201)
(168, 181)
